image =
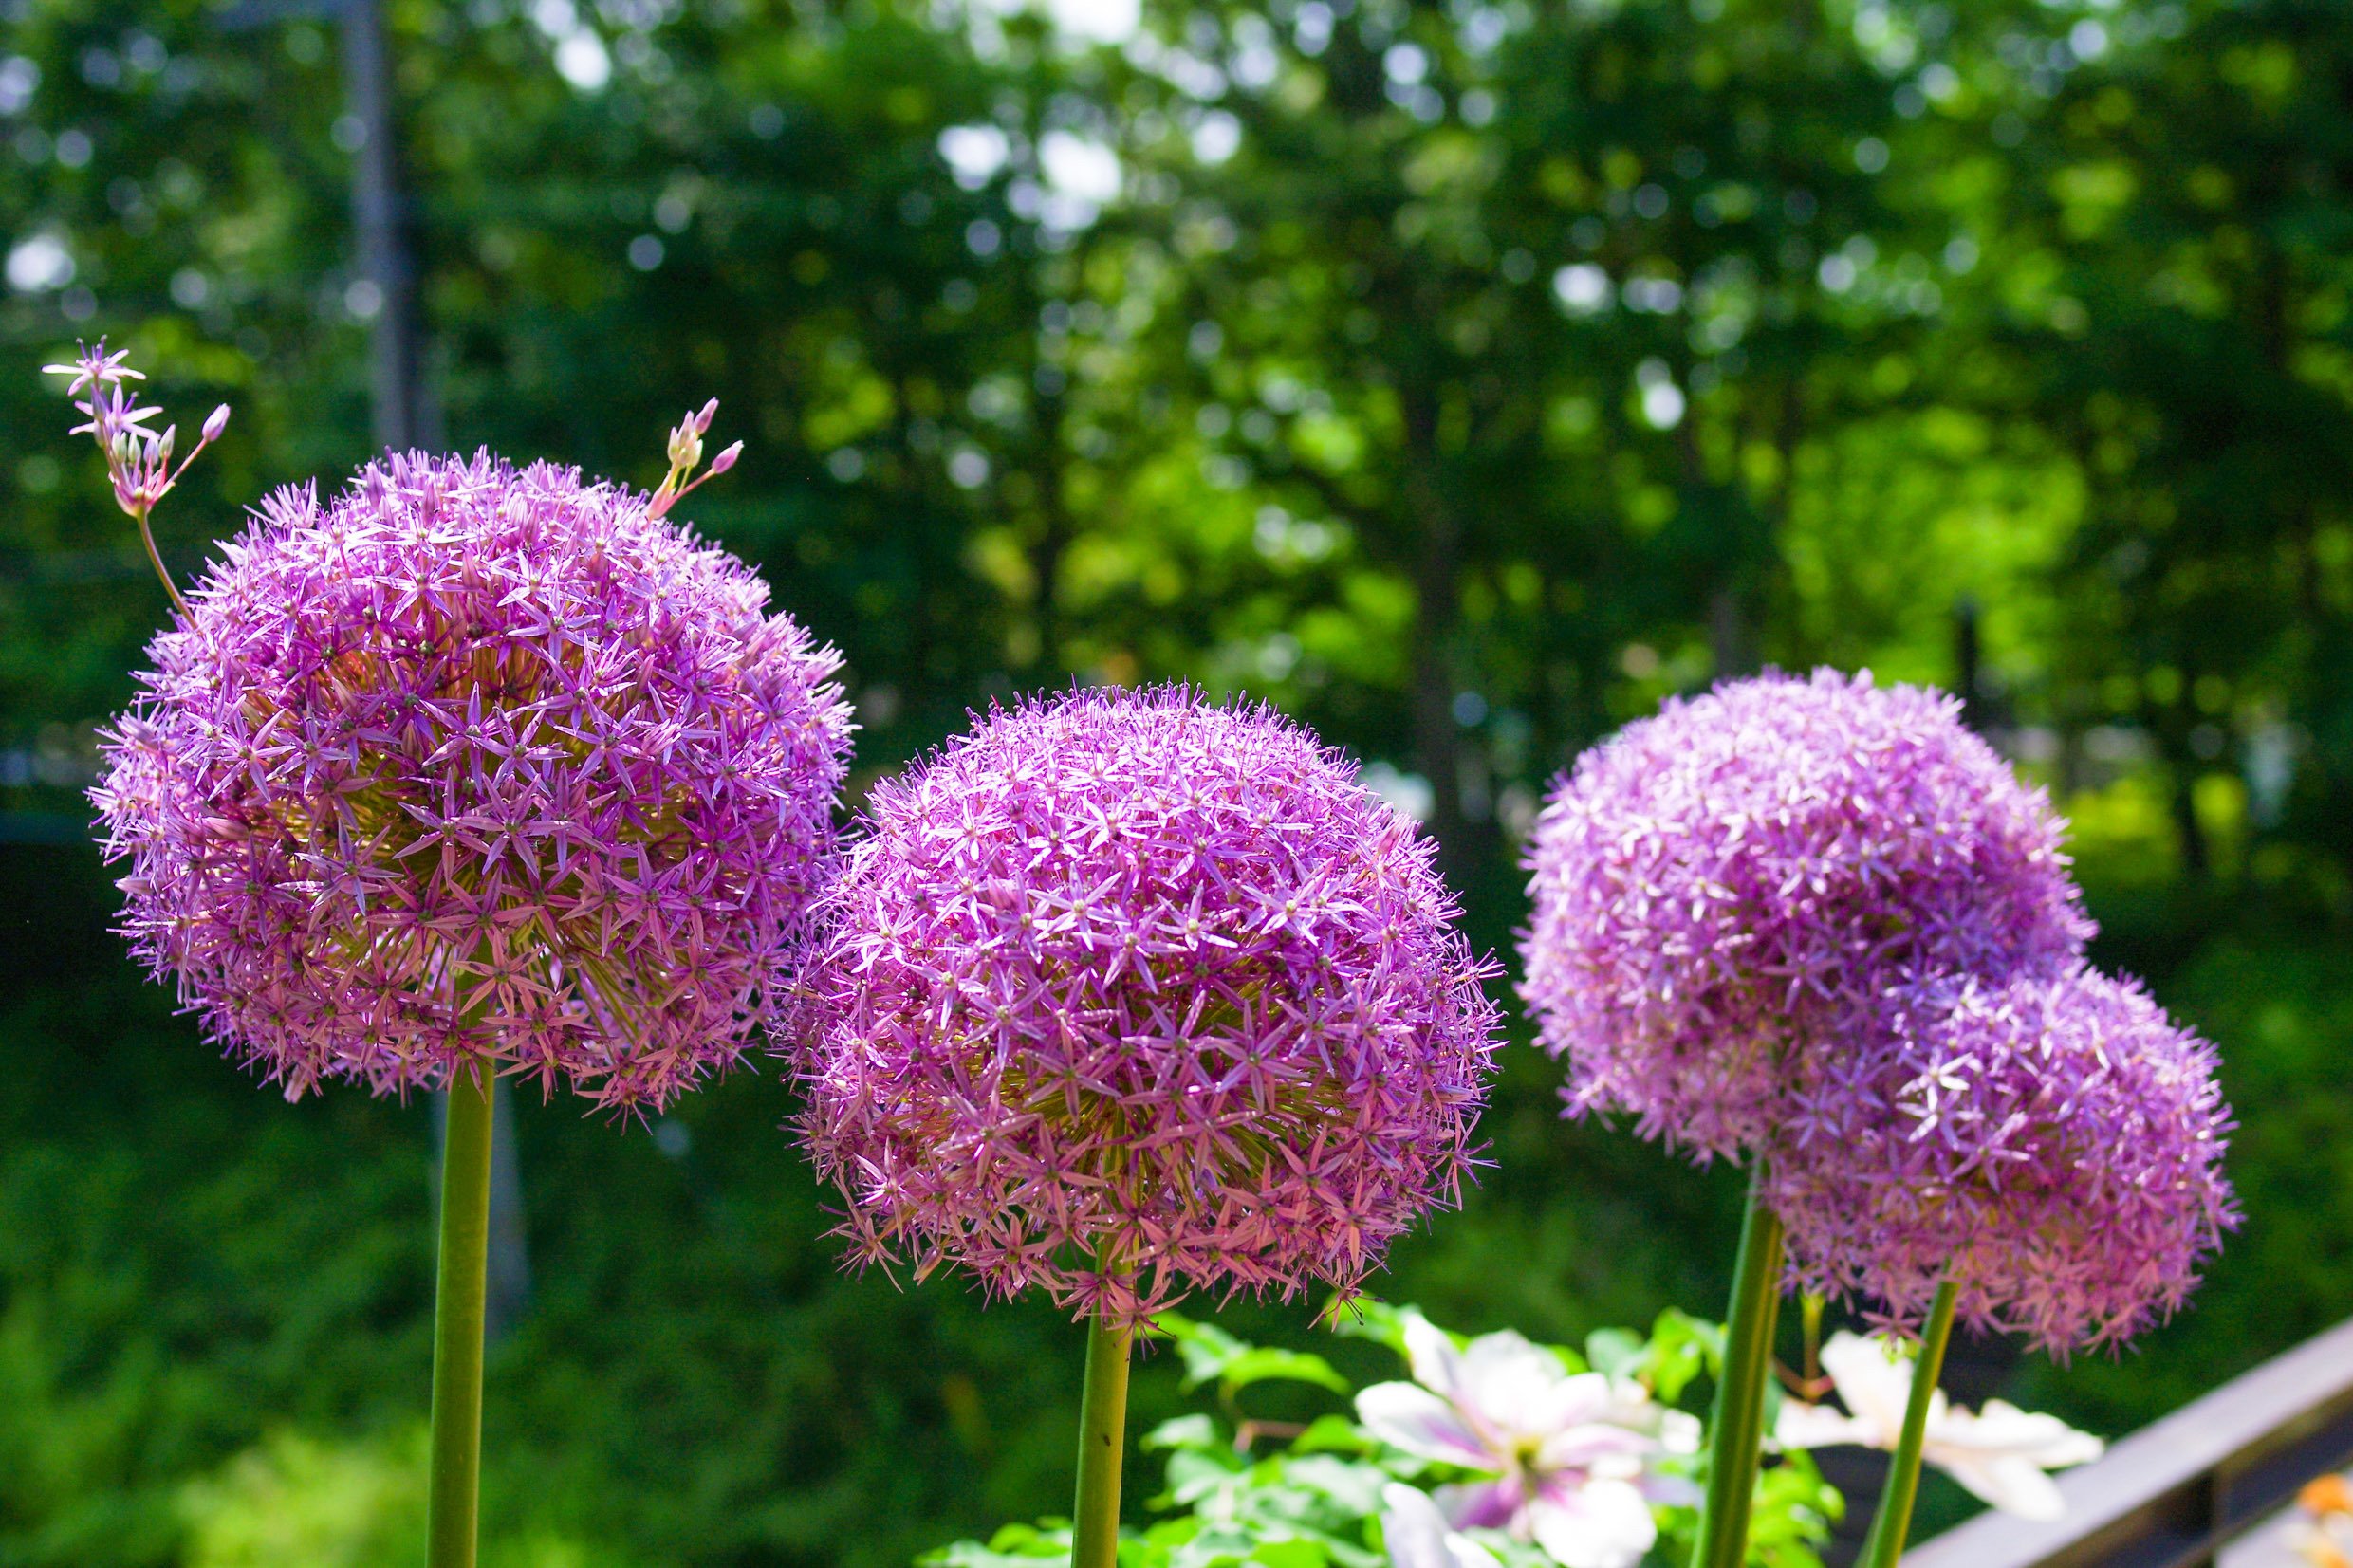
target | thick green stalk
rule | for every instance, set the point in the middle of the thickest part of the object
(454, 1496)
(1893, 1521)
(1738, 1423)
(1102, 1441)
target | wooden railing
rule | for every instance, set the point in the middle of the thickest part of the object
(2175, 1494)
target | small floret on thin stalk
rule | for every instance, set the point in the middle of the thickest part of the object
(139, 462)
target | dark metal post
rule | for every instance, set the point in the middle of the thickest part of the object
(507, 1285)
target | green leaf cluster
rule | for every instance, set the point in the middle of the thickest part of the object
(1237, 1489)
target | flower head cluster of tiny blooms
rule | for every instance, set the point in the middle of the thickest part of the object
(1719, 888)
(1819, 922)
(480, 763)
(1126, 994)
(2052, 1144)
(472, 769)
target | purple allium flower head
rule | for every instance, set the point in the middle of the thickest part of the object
(1126, 994)
(2052, 1144)
(1718, 886)
(476, 762)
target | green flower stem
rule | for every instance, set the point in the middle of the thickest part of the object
(1892, 1521)
(1102, 1441)
(1738, 1422)
(147, 537)
(455, 1484)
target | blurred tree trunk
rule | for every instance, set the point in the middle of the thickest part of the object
(1438, 592)
(2169, 725)
(1057, 528)
(1731, 526)
(1729, 641)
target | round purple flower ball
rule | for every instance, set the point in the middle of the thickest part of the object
(2052, 1145)
(476, 765)
(1717, 888)
(1126, 994)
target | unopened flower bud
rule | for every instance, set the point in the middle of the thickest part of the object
(163, 448)
(214, 423)
(726, 460)
(702, 421)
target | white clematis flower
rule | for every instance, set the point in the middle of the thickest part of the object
(2001, 1452)
(1567, 1458)
(1419, 1536)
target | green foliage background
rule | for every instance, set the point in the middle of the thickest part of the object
(1463, 377)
